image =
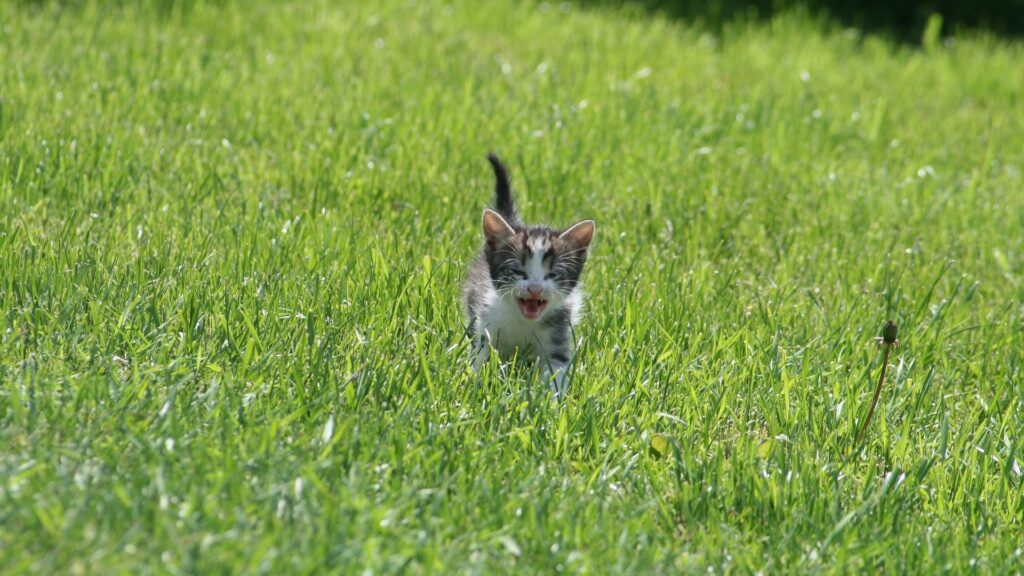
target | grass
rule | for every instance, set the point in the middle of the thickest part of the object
(232, 237)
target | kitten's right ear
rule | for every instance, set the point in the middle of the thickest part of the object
(496, 229)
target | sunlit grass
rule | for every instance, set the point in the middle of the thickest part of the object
(232, 236)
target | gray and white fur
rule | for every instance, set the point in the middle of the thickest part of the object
(523, 294)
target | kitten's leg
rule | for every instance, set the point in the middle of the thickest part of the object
(557, 353)
(556, 367)
(556, 374)
(479, 351)
(556, 377)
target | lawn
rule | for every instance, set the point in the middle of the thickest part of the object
(232, 237)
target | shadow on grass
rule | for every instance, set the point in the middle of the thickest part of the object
(902, 20)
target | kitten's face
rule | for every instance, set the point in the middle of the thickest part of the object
(537, 267)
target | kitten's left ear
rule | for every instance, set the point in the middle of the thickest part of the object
(580, 233)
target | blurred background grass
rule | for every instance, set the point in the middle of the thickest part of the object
(232, 235)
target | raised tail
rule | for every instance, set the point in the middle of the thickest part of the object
(503, 191)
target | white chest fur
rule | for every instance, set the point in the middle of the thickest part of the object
(510, 333)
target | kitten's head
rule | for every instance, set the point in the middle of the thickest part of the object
(536, 266)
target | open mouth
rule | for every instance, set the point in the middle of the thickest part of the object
(531, 307)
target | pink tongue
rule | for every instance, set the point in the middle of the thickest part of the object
(530, 307)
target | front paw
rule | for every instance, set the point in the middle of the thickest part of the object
(558, 382)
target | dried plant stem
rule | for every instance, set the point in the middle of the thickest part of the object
(878, 390)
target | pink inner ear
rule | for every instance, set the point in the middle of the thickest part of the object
(495, 227)
(580, 233)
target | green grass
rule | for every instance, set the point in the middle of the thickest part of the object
(232, 238)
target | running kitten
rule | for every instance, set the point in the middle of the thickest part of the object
(523, 293)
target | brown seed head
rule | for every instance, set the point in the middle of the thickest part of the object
(889, 332)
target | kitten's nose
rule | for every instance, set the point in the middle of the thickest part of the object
(534, 289)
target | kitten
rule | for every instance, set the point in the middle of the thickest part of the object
(523, 293)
